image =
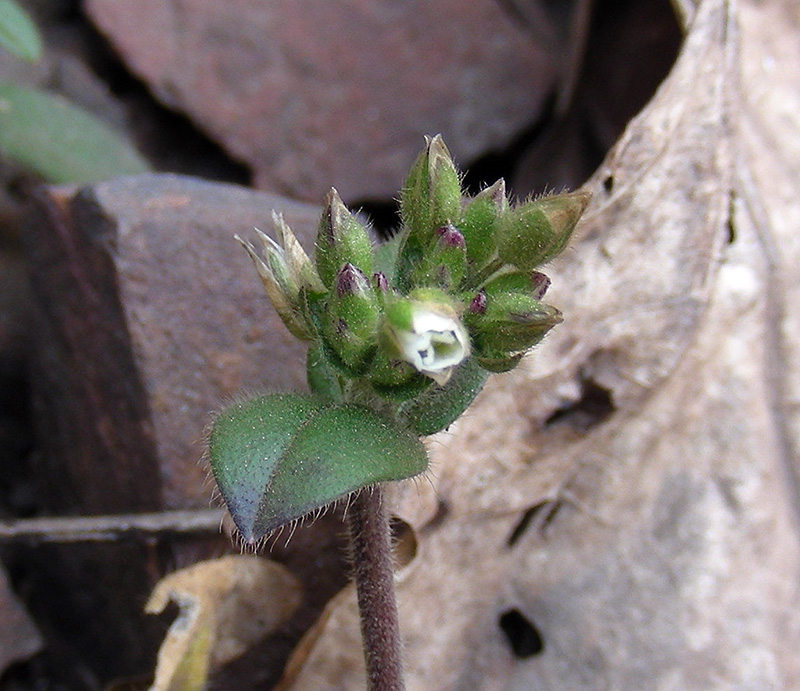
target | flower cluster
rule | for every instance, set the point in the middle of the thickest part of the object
(459, 282)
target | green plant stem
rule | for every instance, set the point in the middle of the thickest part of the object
(370, 542)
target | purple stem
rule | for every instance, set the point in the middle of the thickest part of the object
(370, 542)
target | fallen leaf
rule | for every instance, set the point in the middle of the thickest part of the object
(226, 605)
(623, 512)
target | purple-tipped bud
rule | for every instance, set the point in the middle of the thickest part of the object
(450, 236)
(350, 280)
(539, 284)
(478, 304)
(379, 279)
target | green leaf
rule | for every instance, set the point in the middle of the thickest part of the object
(60, 141)
(280, 457)
(245, 443)
(18, 34)
(440, 406)
(342, 449)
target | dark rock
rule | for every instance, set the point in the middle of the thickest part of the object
(311, 94)
(150, 317)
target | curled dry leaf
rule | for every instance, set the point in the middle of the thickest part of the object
(624, 513)
(226, 605)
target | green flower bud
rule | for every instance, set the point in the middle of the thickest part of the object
(341, 239)
(533, 283)
(431, 196)
(506, 323)
(351, 317)
(281, 283)
(425, 331)
(479, 222)
(533, 233)
(445, 263)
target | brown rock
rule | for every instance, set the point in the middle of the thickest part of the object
(310, 93)
(147, 316)
(151, 317)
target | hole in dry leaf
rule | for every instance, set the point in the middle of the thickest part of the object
(593, 407)
(523, 637)
(608, 183)
(731, 225)
(545, 511)
(404, 541)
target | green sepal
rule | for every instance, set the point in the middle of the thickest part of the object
(445, 263)
(535, 232)
(409, 258)
(350, 317)
(279, 457)
(500, 363)
(341, 239)
(512, 322)
(413, 383)
(440, 406)
(386, 256)
(479, 222)
(322, 377)
(431, 196)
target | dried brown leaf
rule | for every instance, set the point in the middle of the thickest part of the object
(226, 605)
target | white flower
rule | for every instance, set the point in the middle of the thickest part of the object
(429, 336)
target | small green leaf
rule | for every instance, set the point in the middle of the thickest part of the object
(440, 406)
(278, 457)
(60, 141)
(245, 444)
(342, 449)
(18, 33)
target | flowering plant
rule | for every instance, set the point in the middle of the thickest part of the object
(401, 335)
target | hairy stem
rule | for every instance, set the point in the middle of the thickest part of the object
(370, 543)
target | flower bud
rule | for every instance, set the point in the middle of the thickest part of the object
(341, 239)
(511, 323)
(533, 283)
(533, 233)
(479, 222)
(280, 284)
(445, 263)
(431, 196)
(351, 317)
(425, 331)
